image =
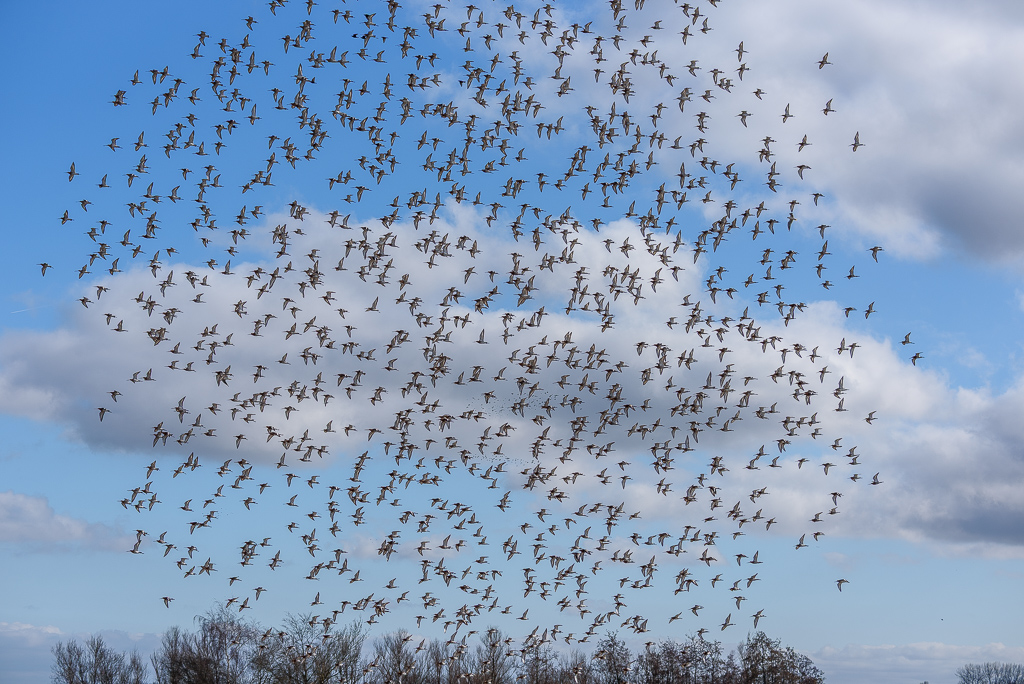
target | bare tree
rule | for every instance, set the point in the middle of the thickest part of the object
(708, 664)
(433, 663)
(305, 653)
(577, 668)
(667, 662)
(223, 651)
(539, 664)
(172, 662)
(96, 663)
(460, 662)
(612, 660)
(394, 659)
(228, 650)
(492, 662)
(762, 660)
(348, 652)
(991, 673)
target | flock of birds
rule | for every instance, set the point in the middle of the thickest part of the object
(513, 334)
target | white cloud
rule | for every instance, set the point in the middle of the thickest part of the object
(30, 522)
(924, 442)
(927, 661)
(25, 651)
(929, 89)
(28, 634)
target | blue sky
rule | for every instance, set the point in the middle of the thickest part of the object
(932, 555)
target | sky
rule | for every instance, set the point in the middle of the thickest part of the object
(931, 554)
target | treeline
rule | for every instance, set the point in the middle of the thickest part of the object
(226, 650)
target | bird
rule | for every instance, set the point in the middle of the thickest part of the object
(472, 253)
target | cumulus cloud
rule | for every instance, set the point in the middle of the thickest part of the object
(928, 88)
(597, 388)
(30, 522)
(952, 469)
(934, 105)
(938, 448)
(927, 661)
(948, 457)
(28, 634)
(25, 651)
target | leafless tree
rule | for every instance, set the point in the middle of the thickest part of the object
(303, 652)
(395, 662)
(761, 660)
(96, 663)
(612, 660)
(492, 662)
(538, 665)
(223, 651)
(434, 663)
(577, 668)
(668, 662)
(228, 650)
(707, 663)
(991, 673)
